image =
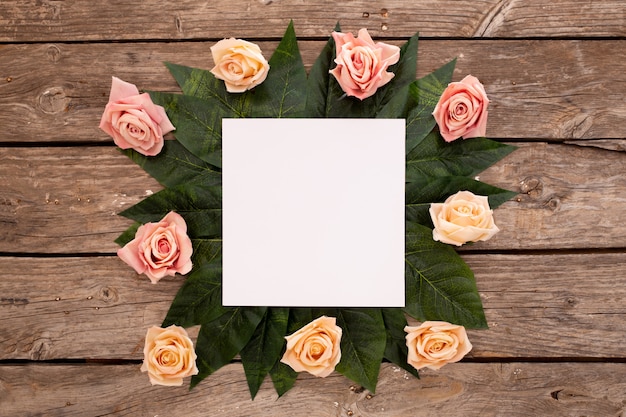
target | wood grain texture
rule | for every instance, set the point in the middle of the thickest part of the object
(567, 89)
(66, 199)
(457, 390)
(49, 20)
(537, 306)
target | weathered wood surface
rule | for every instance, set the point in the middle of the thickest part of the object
(75, 20)
(537, 306)
(514, 389)
(552, 281)
(65, 199)
(567, 89)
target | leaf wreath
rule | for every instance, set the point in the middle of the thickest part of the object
(439, 285)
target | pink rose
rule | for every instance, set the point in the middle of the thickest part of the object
(361, 63)
(133, 120)
(168, 356)
(159, 249)
(462, 110)
(436, 343)
(240, 64)
(315, 347)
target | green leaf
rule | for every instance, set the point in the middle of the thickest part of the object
(175, 165)
(283, 93)
(199, 299)
(198, 123)
(439, 285)
(318, 82)
(424, 95)
(420, 194)
(433, 157)
(283, 378)
(396, 350)
(199, 205)
(264, 348)
(391, 99)
(128, 234)
(221, 339)
(363, 343)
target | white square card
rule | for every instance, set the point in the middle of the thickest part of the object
(313, 212)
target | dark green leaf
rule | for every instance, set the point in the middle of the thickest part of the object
(363, 343)
(198, 123)
(392, 98)
(439, 285)
(200, 206)
(221, 339)
(396, 350)
(175, 165)
(283, 377)
(426, 190)
(128, 234)
(264, 348)
(433, 157)
(318, 83)
(423, 97)
(202, 84)
(283, 93)
(199, 300)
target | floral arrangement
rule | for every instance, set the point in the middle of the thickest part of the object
(177, 231)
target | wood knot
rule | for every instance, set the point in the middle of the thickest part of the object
(554, 204)
(108, 294)
(53, 53)
(40, 349)
(53, 100)
(531, 186)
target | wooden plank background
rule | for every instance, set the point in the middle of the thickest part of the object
(553, 282)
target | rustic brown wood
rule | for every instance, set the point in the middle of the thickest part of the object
(537, 306)
(551, 281)
(568, 89)
(65, 200)
(458, 390)
(26, 21)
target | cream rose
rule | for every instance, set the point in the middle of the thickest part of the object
(462, 110)
(240, 64)
(160, 249)
(315, 347)
(133, 120)
(362, 64)
(436, 343)
(463, 217)
(168, 355)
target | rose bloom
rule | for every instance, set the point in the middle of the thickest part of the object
(168, 356)
(436, 343)
(133, 120)
(462, 110)
(159, 249)
(315, 347)
(463, 217)
(239, 63)
(362, 64)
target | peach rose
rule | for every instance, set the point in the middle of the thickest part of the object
(462, 110)
(436, 343)
(168, 356)
(159, 249)
(315, 347)
(239, 63)
(362, 64)
(463, 217)
(133, 120)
